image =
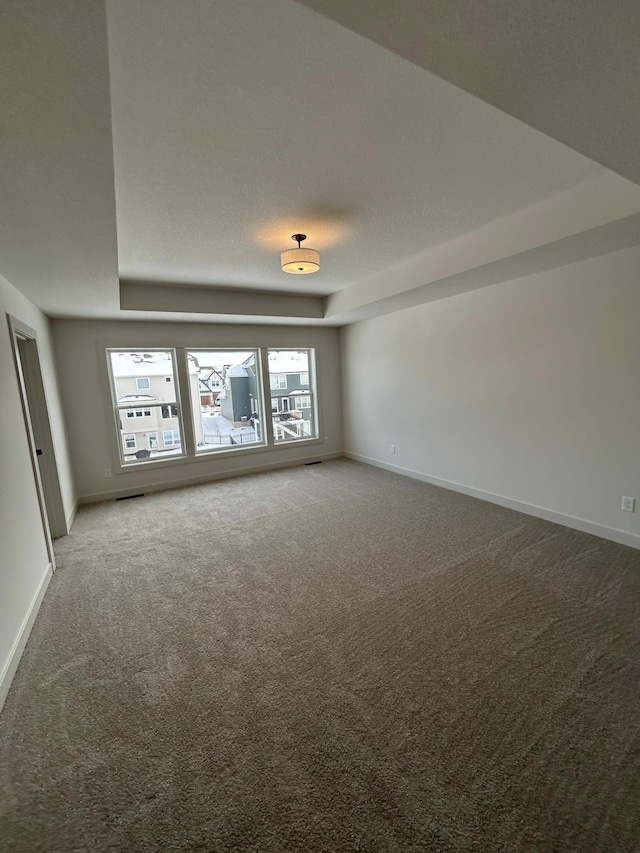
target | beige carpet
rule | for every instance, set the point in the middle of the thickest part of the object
(326, 658)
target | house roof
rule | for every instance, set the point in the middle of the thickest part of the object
(137, 398)
(144, 364)
(288, 361)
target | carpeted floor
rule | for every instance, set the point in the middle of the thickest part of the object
(326, 658)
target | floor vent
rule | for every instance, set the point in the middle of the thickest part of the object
(129, 497)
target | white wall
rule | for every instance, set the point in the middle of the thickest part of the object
(527, 391)
(80, 347)
(23, 554)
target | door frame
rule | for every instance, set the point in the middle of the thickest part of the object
(24, 344)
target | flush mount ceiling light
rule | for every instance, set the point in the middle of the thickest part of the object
(300, 261)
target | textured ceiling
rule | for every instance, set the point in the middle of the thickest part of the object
(237, 124)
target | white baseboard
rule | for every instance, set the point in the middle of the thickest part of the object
(71, 515)
(13, 659)
(205, 478)
(623, 537)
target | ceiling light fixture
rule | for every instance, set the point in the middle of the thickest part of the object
(300, 261)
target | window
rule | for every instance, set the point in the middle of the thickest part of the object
(278, 381)
(171, 437)
(222, 398)
(236, 419)
(297, 420)
(132, 372)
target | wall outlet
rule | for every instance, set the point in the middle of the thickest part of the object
(629, 504)
(326, 439)
(393, 448)
(107, 473)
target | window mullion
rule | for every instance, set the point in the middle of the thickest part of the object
(266, 402)
(183, 397)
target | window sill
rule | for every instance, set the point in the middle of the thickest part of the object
(203, 455)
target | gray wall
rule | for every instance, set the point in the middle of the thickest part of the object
(80, 348)
(522, 392)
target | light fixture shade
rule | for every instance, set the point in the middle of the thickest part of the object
(300, 261)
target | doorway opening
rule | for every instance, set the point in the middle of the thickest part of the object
(38, 428)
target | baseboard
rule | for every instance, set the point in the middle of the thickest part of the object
(13, 659)
(71, 515)
(613, 533)
(206, 478)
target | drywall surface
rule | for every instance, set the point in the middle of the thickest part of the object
(80, 353)
(58, 240)
(527, 390)
(569, 69)
(23, 552)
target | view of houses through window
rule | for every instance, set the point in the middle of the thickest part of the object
(227, 403)
(224, 398)
(292, 405)
(147, 411)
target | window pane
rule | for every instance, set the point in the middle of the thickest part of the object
(170, 411)
(225, 396)
(171, 437)
(142, 396)
(291, 379)
(278, 381)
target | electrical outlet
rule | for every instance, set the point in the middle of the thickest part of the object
(393, 448)
(326, 439)
(629, 504)
(107, 473)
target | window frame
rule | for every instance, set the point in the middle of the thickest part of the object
(312, 393)
(182, 399)
(203, 452)
(120, 411)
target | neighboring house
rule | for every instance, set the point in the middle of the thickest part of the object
(290, 390)
(291, 394)
(239, 397)
(210, 383)
(151, 425)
